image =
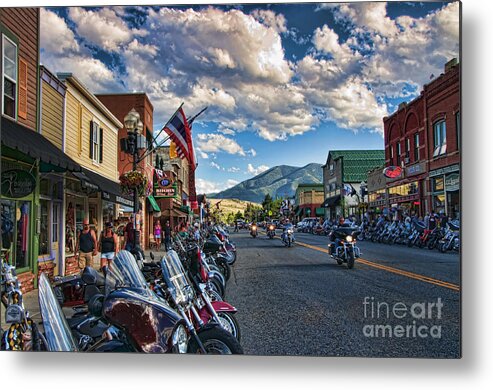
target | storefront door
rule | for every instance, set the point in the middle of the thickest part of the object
(55, 235)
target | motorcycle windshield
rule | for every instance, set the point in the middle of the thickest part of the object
(125, 273)
(57, 332)
(175, 277)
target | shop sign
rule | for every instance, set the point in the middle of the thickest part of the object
(444, 170)
(452, 182)
(392, 172)
(116, 199)
(415, 169)
(17, 183)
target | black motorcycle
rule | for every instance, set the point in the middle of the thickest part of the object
(253, 231)
(343, 248)
(271, 231)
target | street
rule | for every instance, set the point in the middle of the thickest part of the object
(396, 302)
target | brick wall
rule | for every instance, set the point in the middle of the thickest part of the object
(71, 266)
(27, 281)
(47, 267)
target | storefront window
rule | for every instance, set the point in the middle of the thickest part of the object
(438, 184)
(55, 222)
(70, 226)
(109, 214)
(23, 212)
(404, 189)
(8, 223)
(44, 247)
(439, 203)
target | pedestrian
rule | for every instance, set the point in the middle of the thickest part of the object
(108, 245)
(196, 231)
(167, 235)
(443, 219)
(157, 234)
(236, 225)
(86, 245)
(129, 234)
(432, 221)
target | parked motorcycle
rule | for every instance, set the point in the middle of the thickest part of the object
(344, 249)
(212, 331)
(23, 333)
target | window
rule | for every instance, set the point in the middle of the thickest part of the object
(398, 152)
(408, 148)
(457, 128)
(416, 147)
(391, 155)
(44, 246)
(439, 138)
(9, 77)
(54, 224)
(95, 142)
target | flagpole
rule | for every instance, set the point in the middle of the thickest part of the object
(154, 138)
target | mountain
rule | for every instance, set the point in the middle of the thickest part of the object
(281, 181)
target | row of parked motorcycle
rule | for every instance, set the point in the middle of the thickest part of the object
(175, 304)
(444, 238)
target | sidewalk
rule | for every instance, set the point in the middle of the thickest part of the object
(31, 298)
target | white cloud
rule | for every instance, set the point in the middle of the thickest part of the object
(201, 153)
(234, 169)
(215, 165)
(219, 143)
(208, 187)
(325, 39)
(271, 19)
(102, 27)
(253, 152)
(55, 34)
(256, 171)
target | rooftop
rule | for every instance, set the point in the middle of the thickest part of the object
(357, 163)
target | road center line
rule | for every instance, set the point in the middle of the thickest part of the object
(393, 270)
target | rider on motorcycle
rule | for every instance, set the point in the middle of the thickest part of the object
(333, 234)
(286, 225)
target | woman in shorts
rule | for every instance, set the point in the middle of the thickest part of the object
(157, 234)
(108, 245)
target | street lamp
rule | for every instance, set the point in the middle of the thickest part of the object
(134, 127)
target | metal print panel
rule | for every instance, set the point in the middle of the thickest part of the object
(260, 179)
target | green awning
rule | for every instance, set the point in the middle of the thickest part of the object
(300, 210)
(153, 203)
(319, 211)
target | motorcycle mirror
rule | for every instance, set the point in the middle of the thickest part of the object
(151, 255)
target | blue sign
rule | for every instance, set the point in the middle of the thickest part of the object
(164, 182)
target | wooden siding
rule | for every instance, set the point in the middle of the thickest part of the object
(52, 115)
(23, 23)
(77, 141)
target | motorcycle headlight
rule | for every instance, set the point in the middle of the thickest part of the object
(271, 227)
(254, 227)
(179, 340)
(349, 238)
(290, 231)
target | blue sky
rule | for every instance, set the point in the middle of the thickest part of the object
(284, 83)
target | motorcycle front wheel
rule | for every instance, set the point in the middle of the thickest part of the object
(230, 323)
(350, 260)
(216, 341)
(224, 268)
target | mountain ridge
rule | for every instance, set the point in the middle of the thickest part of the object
(278, 181)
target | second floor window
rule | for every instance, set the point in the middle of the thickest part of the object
(408, 148)
(391, 155)
(416, 147)
(439, 138)
(9, 77)
(457, 128)
(398, 152)
(96, 143)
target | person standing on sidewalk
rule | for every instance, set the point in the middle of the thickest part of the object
(86, 246)
(129, 234)
(108, 245)
(157, 234)
(167, 236)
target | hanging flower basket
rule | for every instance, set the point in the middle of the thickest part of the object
(134, 180)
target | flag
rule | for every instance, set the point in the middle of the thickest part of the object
(349, 189)
(179, 133)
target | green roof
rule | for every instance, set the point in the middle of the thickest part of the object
(357, 163)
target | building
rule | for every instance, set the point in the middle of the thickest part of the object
(91, 139)
(308, 198)
(422, 137)
(120, 104)
(27, 156)
(343, 173)
(172, 195)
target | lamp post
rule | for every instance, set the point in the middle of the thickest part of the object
(134, 127)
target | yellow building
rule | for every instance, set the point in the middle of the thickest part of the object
(91, 139)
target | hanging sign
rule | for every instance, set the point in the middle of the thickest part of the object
(392, 172)
(17, 183)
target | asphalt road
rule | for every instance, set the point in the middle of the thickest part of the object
(395, 302)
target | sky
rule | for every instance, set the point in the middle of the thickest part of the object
(284, 83)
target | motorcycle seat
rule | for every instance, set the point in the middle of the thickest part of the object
(91, 276)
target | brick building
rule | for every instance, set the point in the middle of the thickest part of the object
(120, 105)
(422, 137)
(308, 198)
